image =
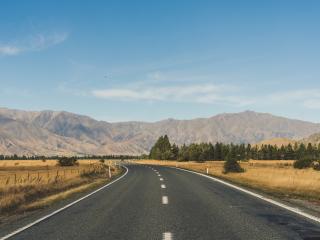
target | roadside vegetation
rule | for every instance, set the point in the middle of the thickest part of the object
(86, 157)
(276, 177)
(305, 156)
(290, 171)
(30, 184)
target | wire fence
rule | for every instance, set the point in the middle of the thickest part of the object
(50, 175)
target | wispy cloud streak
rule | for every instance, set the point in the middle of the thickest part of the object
(197, 93)
(35, 42)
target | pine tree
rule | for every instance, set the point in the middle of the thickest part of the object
(161, 149)
(174, 152)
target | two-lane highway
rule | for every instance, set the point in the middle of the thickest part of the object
(153, 202)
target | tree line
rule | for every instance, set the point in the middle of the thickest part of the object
(164, 150)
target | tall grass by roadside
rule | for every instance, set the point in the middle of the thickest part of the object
(23, 184)
(278, 177)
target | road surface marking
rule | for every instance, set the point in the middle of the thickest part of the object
(161, 179)
(167, 236)
(269, 200)
(163, 186)
(165, 200)
(61, 209)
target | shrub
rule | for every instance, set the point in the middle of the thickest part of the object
(316, 165)
(231, 165)
(102, 161)
(303, 163)
(67, 161)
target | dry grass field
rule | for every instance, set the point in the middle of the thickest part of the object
(272, 176)
(24, 183)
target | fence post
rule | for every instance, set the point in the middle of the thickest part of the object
(109, 172)
(207, 170)
(15, 178)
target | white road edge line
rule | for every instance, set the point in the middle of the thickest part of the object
(167, 236)
(165, 200)
(269, 200)
(163, 186)
(61, 209)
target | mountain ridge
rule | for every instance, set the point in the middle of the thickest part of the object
(64, 133)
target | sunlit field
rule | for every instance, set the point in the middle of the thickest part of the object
(274, 176)
(23, 182)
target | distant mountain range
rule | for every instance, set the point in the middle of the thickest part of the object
(64, 133)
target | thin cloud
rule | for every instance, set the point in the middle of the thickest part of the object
(204, 93)
(9, 50)
(308, 98)
(35, 42)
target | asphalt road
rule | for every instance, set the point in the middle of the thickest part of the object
(180, 206)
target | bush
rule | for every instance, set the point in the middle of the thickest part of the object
(65, 161)
(316, 165)
(102, 161)
(303, 163)
(231, 165)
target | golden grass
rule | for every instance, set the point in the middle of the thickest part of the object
(39, 163)
(278, 177)
(23, 185)
(26, 172)
(43, 202)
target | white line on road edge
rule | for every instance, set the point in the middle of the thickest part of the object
(269, 200)
(61, 209)
(165, 200)
(163, 186)
(167, 236)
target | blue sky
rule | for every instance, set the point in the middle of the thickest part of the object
(151, 60)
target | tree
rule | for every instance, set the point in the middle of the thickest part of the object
(290, 154)
(183, 154)
(231, 165)
(218, 151)
(161, 149)
(174, 152)
(303, 162)
(248, 152)
(194, 152)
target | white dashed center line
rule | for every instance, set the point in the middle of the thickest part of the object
(165, 200)
(167, 236)
(161, 179)
(163, 186)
